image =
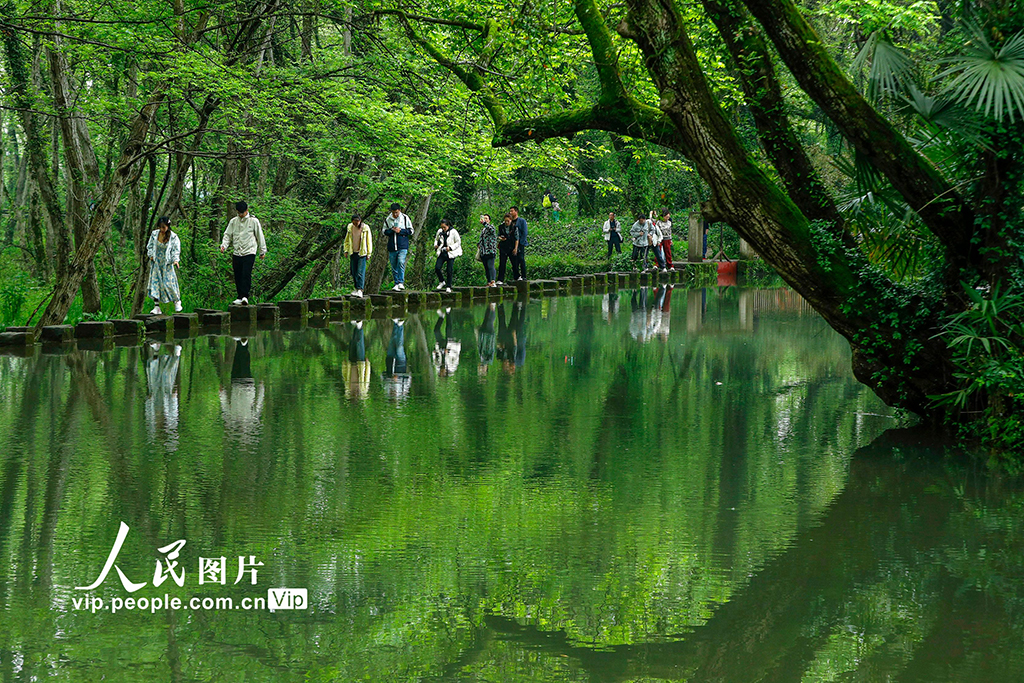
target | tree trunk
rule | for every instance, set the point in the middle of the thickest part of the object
(309, 284)
(421, 243)
(66, 287)
(764, 96)
(35, 149)
(937, 202)
(75, 162)
(892, 333)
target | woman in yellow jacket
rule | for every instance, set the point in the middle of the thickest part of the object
(359, 246)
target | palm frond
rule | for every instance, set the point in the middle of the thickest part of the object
(989, 80)
(891, 70)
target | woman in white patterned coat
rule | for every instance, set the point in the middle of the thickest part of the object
(164, 251)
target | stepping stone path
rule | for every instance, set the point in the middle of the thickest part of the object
(297, 314)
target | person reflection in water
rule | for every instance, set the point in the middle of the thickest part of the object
(638, 321)
(162, 398)
(512, 338)
(663, 301)
(610, 305)
(485, 340)
(396, 377)
(446, 350)
(241, 403)
(356, 369)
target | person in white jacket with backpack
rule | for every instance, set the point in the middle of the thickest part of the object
(448, 246)
(245, 237)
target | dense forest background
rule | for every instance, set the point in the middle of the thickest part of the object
(871, 151)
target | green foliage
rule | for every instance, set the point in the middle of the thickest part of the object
(13, 294)
(988, 344)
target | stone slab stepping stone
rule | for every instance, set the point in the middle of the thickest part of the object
(242, 314)
(381, 300)
(318, 306)
(16, 339)
(212, 318)
(157, 324)
(94, 329)
(186, 321)
(57, 334)
(129, 327)
(203, 311)
(269, 312)
(294, 308)
(415, 297)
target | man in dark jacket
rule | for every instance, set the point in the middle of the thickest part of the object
(397, 230)
(519, 246)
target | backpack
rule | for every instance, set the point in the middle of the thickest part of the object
(547, 201)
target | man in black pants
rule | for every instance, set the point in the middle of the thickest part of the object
(244, 236)
(519, 245)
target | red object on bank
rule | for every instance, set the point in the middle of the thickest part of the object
(727, 274)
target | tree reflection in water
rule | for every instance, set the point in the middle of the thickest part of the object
(723, 502)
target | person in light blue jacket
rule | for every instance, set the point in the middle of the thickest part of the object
(164, 251)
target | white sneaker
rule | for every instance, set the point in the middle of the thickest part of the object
(359, 293)
(448, 290)
(245, 301)
(664, 270)
(156, 311)
(439, 287)
(401, 286)
(177, 307)
(499, 282)
(397, 288)
(355, 292)
(236, 302)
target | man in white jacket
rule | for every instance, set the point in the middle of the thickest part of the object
(245, 235)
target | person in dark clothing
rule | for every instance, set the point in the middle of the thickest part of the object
(506, 239)
(522, 241)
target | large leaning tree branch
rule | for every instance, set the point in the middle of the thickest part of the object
(746, 45)
(943, 211)
(824, 273)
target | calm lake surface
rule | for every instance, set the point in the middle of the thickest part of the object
(648, 486)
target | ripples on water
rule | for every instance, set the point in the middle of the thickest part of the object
(653, 485)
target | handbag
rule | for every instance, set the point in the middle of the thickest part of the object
(479, 254)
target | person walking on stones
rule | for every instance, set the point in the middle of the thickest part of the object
(520, 244)
(612, 234)
(359, 246)
(448, 246)
(654, 245)
(488, 248)
(638, 235)
(397, 230)
(665, 228)
(506, 239)
(164, 251)
(244, 237)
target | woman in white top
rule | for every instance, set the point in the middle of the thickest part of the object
(164, 251)
(448, 246)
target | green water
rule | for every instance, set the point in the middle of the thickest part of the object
(581, 489)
